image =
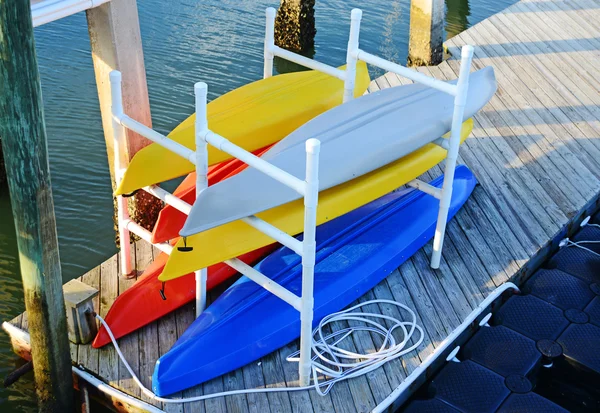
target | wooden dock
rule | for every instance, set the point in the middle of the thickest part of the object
(535, 150)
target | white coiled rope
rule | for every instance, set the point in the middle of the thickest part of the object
(330, 359)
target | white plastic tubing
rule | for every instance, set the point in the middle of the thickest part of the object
(46, 11)
(459, 91)
(307, 188)
(331, 360)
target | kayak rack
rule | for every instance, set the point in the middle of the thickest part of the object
(308, 188)
(353, 55)
(458, 90)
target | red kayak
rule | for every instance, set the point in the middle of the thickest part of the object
(171, 220)
(142, 303)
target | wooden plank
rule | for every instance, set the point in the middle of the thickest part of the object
(364, 344)
(532, 146)
(530, 57)
(564, 76)
(562, 39)
(184, 316)
(235, 381)
(130, 343)
(108, 363)
(578, 135)
(579, 16)
(341, 394)
(300, 400)
(546, 124)
(458, 285)
(401, 293)
(253, 379)
(517, 194)
(147, 337)
(430, 318)
(394, 370)
(167, 335)
(373, 87)
(87, 355)
(273, 376)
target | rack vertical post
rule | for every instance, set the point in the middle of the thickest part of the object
(309, 247)
(269, 42)
(118, 133)
(462, 87)
(201, 129)
(351, 53)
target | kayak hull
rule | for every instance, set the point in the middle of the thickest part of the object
(236, 238)
(170, 220)
(354, 253)
(252, 116)
(356, 138)
(142, 303)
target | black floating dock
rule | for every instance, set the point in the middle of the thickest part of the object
(541, 351)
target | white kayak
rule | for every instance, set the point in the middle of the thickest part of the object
(356, 138)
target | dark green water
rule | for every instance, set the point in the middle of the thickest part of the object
(219, 42)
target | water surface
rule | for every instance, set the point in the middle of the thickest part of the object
(219, 42)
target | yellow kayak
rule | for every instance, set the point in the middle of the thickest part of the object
(252, 116)
(236, 238)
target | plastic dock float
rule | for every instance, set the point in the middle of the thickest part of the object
(540, 352)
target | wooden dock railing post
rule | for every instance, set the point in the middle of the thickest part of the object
(23, 137)
(295, 25)
(425, 46)
(116, 44)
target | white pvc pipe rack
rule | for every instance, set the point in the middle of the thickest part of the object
(459, 91)
(307, 188)
(46, 11)
(198, 157)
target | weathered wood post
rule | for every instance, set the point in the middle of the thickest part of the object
(295, 25)
(116, 44)
(2, 169)
(425, 46)
(23, 137)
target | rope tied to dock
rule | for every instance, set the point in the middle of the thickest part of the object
(566, 242)
(330, 359)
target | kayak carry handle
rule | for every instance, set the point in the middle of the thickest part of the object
(162, 292)
(185, 248)
(129, 195)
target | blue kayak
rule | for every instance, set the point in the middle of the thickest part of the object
(354, 253)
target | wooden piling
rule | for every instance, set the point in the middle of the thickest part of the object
(425, 46)
(295, 25)
(116, 44)
(23, 137)
(2, 168)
